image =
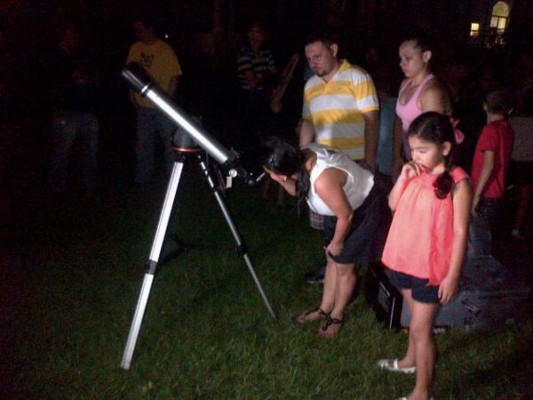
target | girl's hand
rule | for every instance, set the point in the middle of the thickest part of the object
(334, 249)
(448, 289)
(411, 169)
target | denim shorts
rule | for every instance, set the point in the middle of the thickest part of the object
(420, 289)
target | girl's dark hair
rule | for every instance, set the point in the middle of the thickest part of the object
(283, 158)
(436, 128)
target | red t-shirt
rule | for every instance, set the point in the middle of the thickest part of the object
(498, 137)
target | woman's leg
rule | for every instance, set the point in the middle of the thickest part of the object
(328, 295)
(345, 279)
(421, 333)
(330, 282)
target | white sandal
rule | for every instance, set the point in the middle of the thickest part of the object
(392, 365)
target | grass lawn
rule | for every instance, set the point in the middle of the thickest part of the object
(70, 279)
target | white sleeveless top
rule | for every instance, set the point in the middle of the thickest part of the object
(359, 181)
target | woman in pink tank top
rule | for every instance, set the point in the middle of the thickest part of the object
(419, 92)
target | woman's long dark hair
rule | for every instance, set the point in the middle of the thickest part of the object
(436, 128)
(283, 158)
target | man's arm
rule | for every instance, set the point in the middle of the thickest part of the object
(371, 137)
(307, 132)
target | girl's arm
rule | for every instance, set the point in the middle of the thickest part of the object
(409, 171)
(484, 176)
(396, 192)
(462, 199)
(329, 187)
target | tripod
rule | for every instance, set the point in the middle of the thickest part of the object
(152, 263)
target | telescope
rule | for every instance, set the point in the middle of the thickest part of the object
(141, 82)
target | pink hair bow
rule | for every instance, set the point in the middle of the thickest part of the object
(459, 135)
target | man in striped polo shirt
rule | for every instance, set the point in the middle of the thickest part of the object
(340, 110)
(340, 104)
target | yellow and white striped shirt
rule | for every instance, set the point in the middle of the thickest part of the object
(336, 108)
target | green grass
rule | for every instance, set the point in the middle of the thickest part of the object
(72, 275)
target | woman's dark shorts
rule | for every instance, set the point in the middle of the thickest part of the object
(419, 287)
(370, 224)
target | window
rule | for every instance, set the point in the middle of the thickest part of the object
(498, 23)
(500, 17)
(474, 29)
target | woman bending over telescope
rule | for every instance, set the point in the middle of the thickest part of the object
(355, 224)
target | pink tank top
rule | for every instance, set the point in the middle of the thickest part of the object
(410, 110)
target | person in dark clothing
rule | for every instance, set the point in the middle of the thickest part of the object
(74, 85)
(256, 71)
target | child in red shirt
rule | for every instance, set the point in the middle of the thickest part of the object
(489, 167)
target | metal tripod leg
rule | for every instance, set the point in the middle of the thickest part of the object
(151, 265)
(241, 248)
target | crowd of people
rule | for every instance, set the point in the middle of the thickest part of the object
(412, 181)
(438, 210)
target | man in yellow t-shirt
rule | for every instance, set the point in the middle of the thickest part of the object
(161, 63)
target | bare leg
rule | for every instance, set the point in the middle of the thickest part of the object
(345, 279)
(328, 295)
(330, 282)
(421, 332)
(345, 286)
(409, 358)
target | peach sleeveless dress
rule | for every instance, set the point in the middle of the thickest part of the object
(420, 238)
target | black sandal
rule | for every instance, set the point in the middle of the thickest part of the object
(330, 321)
(303, 317)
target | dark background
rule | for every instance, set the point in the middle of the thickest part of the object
(206, 35)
